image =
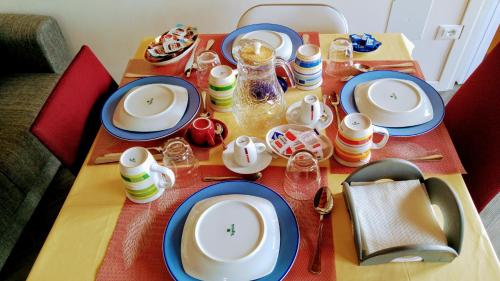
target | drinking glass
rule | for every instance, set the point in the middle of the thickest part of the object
(179, 157)
(339, 57)
(205, 62)
(302, 175)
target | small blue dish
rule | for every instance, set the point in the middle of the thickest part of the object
(289, 230)
(364, 43)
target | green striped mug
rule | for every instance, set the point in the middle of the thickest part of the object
(221, 84)
(144, 179)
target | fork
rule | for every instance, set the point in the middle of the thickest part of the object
(335, 103)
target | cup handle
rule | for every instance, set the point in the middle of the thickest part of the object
(260, 147)
(210, 139)
(167, 178)
(382, 131)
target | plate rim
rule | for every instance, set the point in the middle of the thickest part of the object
(229, 38)
(397, 131)
(215, 186)
(139, 136)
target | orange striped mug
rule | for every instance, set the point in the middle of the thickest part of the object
(354, 141)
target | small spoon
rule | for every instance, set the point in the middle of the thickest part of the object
(365, 68)
(432, 157)
(324, 115)
(323, 204)
(335, 103)
(249, 177)
(204, 101)
(404, 70)
(218, 131)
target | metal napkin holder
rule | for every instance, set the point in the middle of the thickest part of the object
(439, 194)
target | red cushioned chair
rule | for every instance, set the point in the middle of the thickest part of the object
(472, 118)
(70, 118)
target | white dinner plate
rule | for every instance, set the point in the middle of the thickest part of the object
(281, 42)
(393, 102)
(151, 107)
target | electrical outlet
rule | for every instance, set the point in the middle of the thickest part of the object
(449, 32)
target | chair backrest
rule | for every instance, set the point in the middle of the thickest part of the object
(70, 118)
(472, 119)
(300, 17)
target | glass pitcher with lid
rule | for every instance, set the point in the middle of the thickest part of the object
(258, 100)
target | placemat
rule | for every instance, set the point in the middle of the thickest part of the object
(105, 143)
(135, 249)
(437, 141)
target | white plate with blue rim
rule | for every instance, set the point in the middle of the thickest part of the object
(193, 106)
(349, 105)
(289, 230)
(274, 31)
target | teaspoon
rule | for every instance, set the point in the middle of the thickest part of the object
(323, 204)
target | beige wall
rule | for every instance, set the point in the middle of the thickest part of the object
(114, 28)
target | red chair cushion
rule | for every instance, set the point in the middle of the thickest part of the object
(472, 119)
(70, 117)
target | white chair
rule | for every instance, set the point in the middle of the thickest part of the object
(300, 17)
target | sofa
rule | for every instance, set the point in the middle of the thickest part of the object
(33, 54)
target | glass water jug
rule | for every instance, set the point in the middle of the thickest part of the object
(258, 100)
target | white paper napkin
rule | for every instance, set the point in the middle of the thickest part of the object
(395, 213)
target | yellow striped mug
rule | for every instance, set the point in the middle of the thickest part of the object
(354, 141)
(144, 179)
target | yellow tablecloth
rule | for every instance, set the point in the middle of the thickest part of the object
(78, 240)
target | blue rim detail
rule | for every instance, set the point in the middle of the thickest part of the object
(110, 105)
(227, 44)
(307, 64)
(349, 105)
(289, 229)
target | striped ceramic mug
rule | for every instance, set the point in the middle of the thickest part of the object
(221, 84)
(144, 179)
(354, 140)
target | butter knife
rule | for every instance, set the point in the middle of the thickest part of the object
(189, 64)
(115, 157)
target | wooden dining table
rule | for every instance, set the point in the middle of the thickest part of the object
(77, 243)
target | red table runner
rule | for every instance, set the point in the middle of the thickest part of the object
(437, 141)
(135, 249)
(106, 143)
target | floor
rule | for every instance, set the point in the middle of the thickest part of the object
(491, 221)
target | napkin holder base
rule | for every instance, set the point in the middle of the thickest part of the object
(439, 193)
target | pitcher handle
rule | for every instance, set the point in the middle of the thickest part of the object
(288, 70)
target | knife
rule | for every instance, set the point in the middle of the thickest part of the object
(189, 64)
(115, 157)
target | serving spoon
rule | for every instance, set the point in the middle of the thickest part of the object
(323, 204)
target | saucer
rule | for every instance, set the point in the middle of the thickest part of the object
(292, 116)
(218, 141)
(263, 160)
